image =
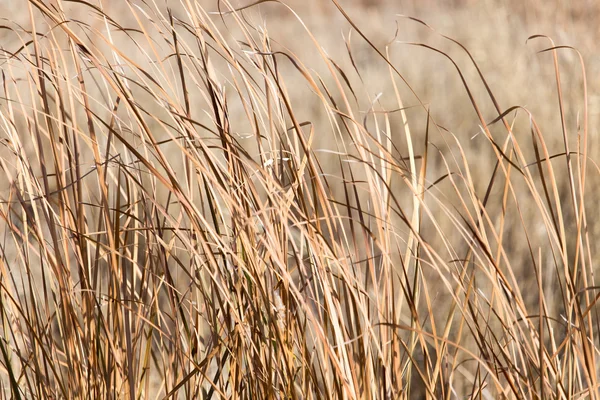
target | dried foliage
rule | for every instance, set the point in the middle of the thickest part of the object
(204, 213)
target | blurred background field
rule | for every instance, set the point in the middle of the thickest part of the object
(396, 255)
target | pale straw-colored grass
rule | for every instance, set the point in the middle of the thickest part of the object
(193, 209)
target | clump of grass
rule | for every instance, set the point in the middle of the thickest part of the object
(176, 225)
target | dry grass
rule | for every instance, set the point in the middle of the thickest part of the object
(195, 208)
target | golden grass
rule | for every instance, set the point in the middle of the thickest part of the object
(195, 209)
